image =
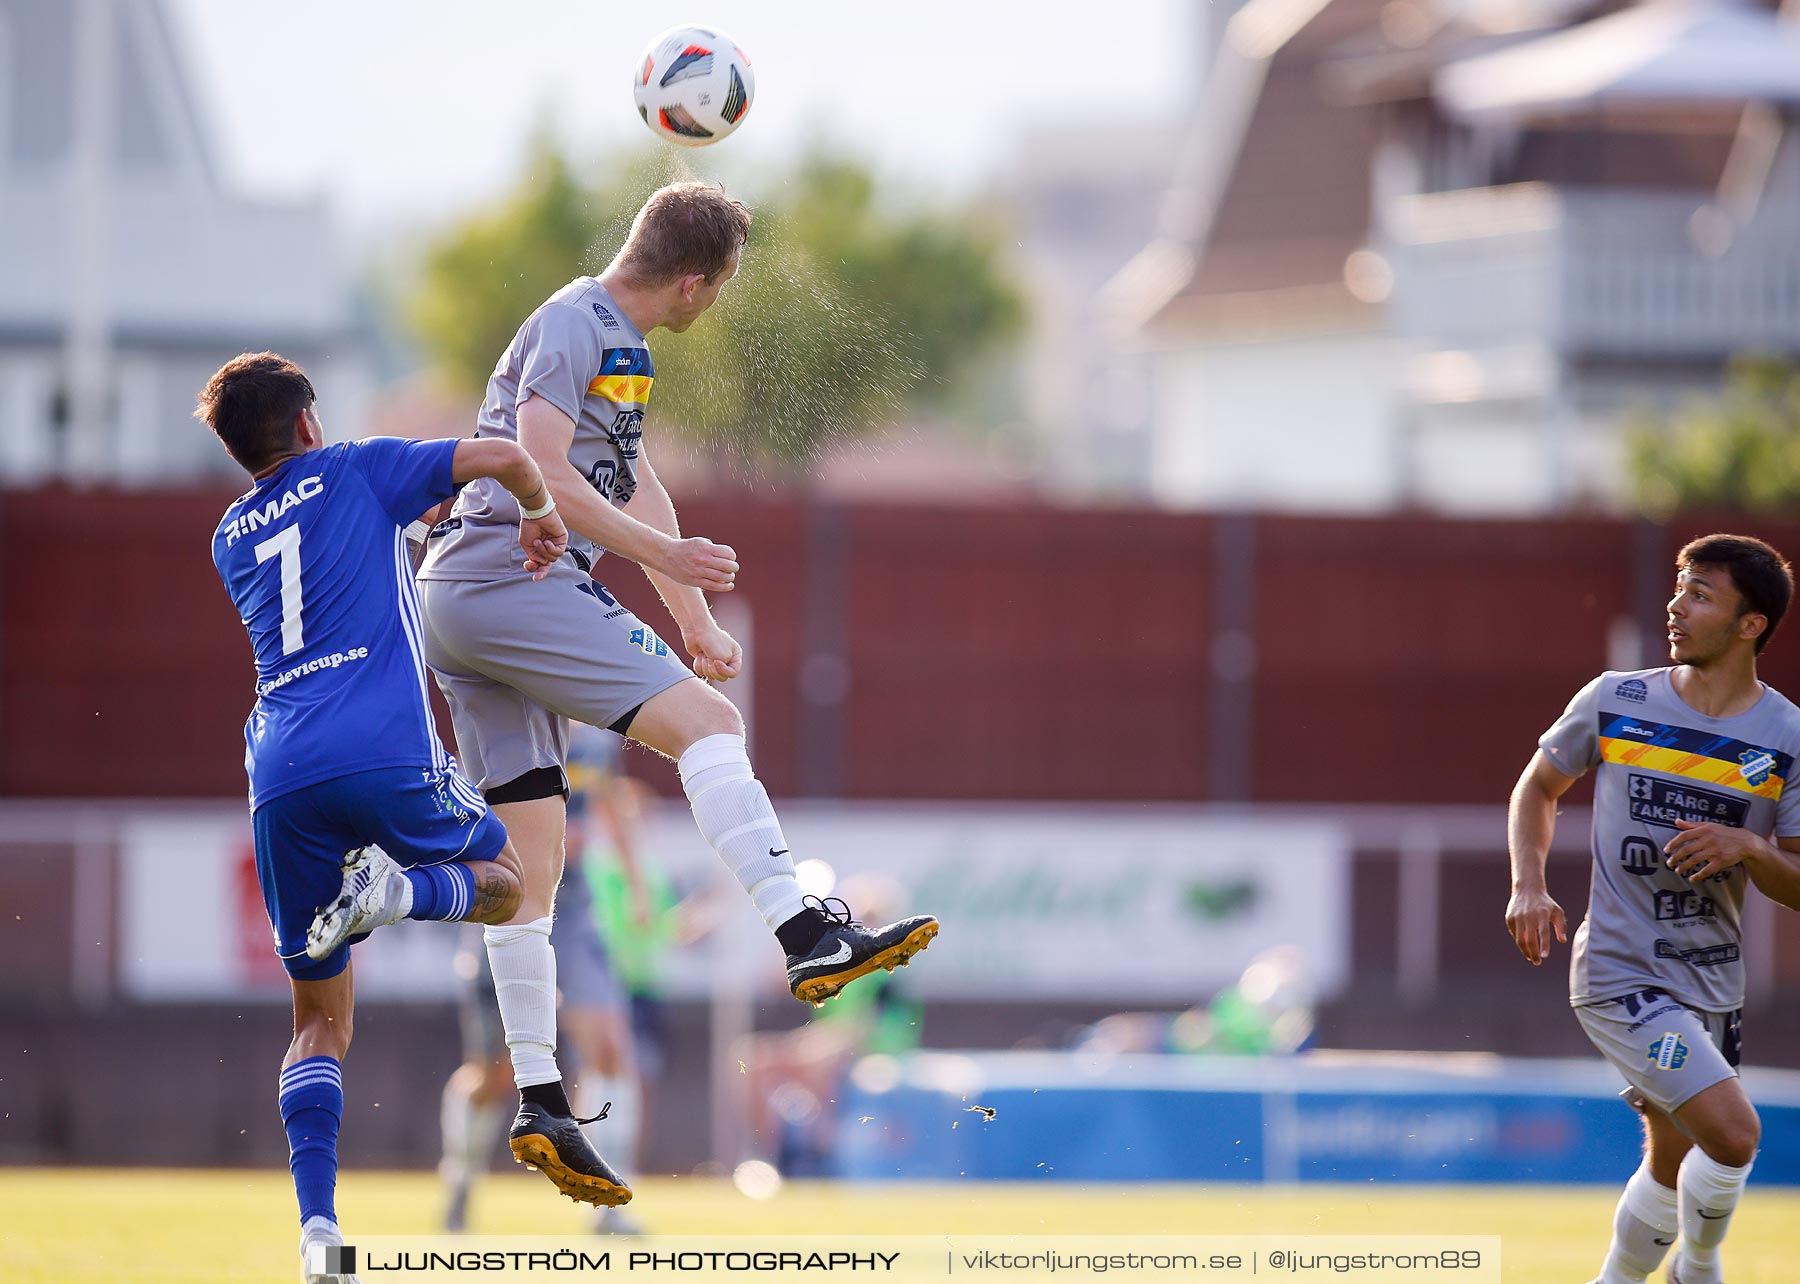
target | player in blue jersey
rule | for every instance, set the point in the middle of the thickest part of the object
(360, 817)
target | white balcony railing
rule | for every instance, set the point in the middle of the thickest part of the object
(1583, 271)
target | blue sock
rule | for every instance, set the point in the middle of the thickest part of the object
(312, 1103)
(442, 891)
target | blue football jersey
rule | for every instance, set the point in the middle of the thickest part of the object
(316, 563)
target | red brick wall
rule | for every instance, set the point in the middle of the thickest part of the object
(1023, 653)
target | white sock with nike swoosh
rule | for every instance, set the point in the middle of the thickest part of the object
(1646, 1223)
(734, 814)
(1709, 1192)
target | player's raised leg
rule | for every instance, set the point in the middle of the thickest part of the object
(378, 892)
(826, 948)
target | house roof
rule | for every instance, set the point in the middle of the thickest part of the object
(1273, 200)
(1275, 191)
(1660, 54)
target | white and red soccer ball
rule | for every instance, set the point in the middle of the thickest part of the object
(693, 86)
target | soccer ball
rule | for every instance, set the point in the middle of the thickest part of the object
(693, 86)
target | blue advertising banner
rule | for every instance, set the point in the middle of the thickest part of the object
(1321, 1117)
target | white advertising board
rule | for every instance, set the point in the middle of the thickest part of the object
(1158, 905)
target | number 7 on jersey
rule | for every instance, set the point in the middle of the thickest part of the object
(287, 544)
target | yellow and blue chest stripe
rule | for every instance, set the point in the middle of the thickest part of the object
(625, 376)
(1697, 755)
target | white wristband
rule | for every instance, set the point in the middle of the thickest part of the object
(533, 514)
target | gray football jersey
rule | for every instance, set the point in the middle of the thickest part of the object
(580, 353)
(1660, 761)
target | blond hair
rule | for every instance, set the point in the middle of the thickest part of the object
(684, 229)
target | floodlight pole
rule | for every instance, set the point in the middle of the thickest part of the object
(86, 359)
(737, 945)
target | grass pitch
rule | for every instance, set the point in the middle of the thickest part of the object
(137, 1226)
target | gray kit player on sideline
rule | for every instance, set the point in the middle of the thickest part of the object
(1695, 766)
(1648, 930)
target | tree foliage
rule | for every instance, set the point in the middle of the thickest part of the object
(1741, 451)
(841, 312)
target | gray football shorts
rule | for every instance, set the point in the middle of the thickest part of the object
(1665, 1049)
(514, 657)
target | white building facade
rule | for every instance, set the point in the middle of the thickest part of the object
(1398, 272)
(127, 272)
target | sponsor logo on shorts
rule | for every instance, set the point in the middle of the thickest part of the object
(1755, 765)
(1659, 1004)
(1669, 1051)
(448, 803)
(651, 644)
(1635, 1026)
(1632, 689)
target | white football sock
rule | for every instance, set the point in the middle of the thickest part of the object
(615, 1137)
(1645, 1224)
(734, 815)
(1709, 1192)
(524, 969)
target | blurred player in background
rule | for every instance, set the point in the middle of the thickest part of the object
(1696, 770)
(1268, 1011)
(791, 1077)
(592, 1010)
(642, 920)
(572, 388)
(360, 818)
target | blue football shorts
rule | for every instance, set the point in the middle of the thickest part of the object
(416, 815)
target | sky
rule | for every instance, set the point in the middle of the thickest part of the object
(398, 111)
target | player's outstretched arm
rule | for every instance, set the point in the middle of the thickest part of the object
(546, 433)
(541, 531)
(717, 656)
(1532, 915)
